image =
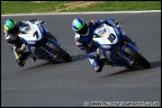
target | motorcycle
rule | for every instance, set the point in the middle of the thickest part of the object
(41, 43)
(124, 51)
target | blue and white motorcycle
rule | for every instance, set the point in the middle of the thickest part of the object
(42, 44)
(124, 51)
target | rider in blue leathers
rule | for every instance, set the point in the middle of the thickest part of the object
(83, 38)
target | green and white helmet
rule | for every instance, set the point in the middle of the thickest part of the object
(80, 26)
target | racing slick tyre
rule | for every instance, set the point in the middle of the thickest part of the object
(137, 57)
(60, 52)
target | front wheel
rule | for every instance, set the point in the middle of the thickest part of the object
(60, 52)
(138, 58)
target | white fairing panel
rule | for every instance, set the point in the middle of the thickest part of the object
(33, 32)
(105, 35)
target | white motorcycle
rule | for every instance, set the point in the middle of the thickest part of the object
(41, 44)
(123, 49)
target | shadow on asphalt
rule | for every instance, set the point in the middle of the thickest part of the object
(58, 62)
(154, 64)
(79, 57)
(126, 71)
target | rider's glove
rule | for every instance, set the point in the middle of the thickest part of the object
(92, 55)
(37, 21)
(22, 23)
(111, 21)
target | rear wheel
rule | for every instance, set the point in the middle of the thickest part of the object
(138, 58)
(60, 52)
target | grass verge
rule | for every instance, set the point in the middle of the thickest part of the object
(13, 7)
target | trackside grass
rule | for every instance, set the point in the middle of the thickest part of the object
(14, 7)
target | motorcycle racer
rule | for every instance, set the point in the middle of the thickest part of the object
(11, 30)
(83, 39)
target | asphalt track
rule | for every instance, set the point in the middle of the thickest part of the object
(46, 84)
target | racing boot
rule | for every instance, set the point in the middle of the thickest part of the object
(20, 62)
(101, 65)
(33, 58)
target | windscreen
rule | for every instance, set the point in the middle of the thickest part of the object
(99, 32)
(25, 29)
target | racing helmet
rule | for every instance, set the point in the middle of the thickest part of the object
(80, 26)
(11, 26)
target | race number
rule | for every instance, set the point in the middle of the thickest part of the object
(111, 37)
(36, 35)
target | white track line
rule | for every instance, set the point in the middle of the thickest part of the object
(73, 13)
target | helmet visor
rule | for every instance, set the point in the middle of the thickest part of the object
(84, 30)
(14, 30)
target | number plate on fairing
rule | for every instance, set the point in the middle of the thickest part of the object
(32, 33)
(105, 35)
